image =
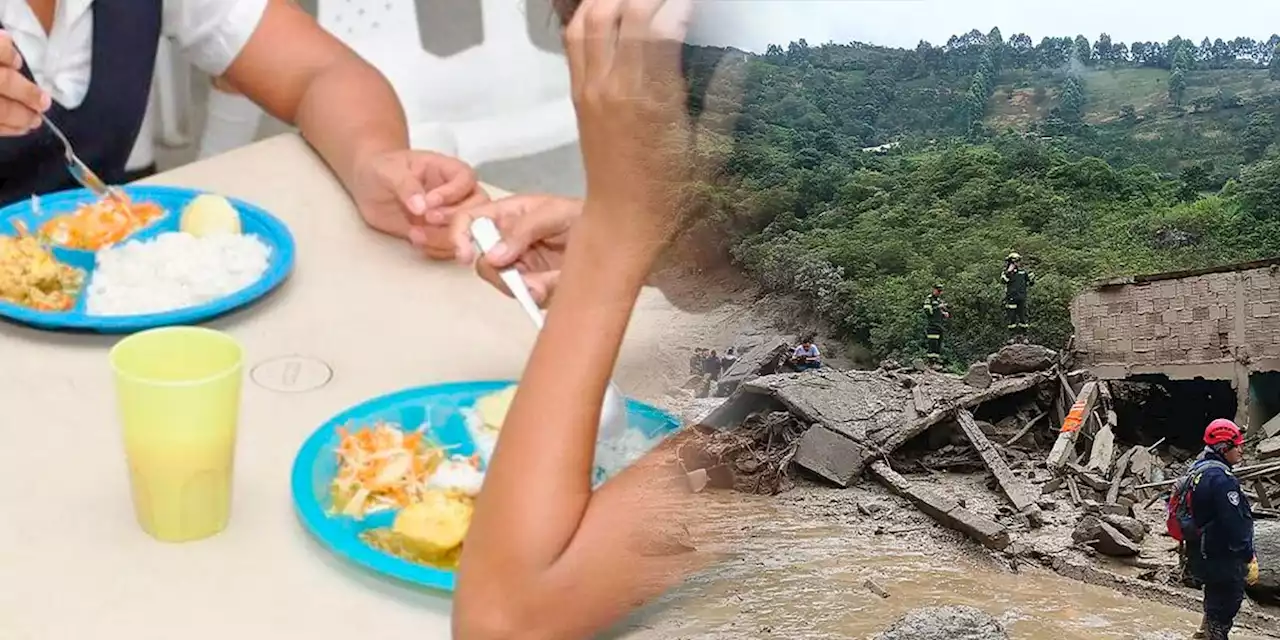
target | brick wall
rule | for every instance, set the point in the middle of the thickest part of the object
(1191, 320)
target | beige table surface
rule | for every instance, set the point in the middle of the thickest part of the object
(73, 563)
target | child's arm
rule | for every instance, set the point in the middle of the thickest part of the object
(547, 558)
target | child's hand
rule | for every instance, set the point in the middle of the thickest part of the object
(629, 95)
(21, 101)
(535, 231)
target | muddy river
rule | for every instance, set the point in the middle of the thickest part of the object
(800, 565)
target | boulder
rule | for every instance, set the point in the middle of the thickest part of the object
(1021, 358)
(945, 623)
(1266, 543)
(1132, 528)
(1104, 538)
(979, 376)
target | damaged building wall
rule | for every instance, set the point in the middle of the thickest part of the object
(1221, 323)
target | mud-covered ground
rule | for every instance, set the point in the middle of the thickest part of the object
(799, 563)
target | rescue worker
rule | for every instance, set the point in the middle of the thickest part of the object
(1221, 553)
(1016, 282)
(935, 312)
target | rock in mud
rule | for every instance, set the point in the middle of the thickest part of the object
(1266, 543)
(945, 623)
(1021, 358)
(1132, 528)
(1104, 538)
(979, 376)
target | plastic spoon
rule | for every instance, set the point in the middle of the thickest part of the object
(613, 414)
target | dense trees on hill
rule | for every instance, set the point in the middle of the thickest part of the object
(1088, 185)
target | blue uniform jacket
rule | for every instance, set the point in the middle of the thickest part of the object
(1222, 515)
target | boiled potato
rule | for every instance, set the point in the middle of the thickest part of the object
(493, 407)
(210, 214)
(435, 525)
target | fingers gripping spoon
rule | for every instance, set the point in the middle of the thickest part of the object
(613, 414)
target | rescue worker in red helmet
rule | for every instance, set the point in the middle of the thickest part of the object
(1223, 538)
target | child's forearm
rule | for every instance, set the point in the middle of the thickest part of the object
(538, 485)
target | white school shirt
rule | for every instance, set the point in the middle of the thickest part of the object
(208, 33)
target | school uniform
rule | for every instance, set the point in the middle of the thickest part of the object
(97, 62)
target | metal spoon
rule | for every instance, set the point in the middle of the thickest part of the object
(81, 171)
(613, 414)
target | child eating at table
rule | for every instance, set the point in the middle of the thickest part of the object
(546, 556)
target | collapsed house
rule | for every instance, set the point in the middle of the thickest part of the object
(1050, 437)
(1209, 337)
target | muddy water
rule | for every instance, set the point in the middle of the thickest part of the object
(800, 567)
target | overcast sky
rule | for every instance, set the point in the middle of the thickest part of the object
(754, 24)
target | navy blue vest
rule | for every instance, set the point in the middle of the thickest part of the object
(105, 126)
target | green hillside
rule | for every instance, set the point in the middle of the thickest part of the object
(1091, 158)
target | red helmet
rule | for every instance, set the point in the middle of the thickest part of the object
(1221, 431)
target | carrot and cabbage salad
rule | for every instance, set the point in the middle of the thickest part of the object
(383, 467)
(95, 225)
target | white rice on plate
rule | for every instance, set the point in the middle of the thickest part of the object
(173, 271)
(612, 455)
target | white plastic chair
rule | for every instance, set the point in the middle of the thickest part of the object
(503, 99)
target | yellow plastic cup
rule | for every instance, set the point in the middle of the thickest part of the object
(178, 394)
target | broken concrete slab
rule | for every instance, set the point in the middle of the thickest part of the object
(757, 355)
(1095, 508)
(1014, 488)
(979, 376)
(1270, 448)
(946, 511)
(832, 456)
(1088, 478)
(1132, 528)
(1104, 538)
(1122, 469)
(889, 440)
(741, 404)
(1021, 358)
(851, 403)
(919, 401)
(1142, 465)
(1266, 542)
(1064, 447)
(1103, 451)
(1271, 428)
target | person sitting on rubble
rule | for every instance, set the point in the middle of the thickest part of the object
(1219, 545)
(806, 356)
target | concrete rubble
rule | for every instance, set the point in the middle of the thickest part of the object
(1066, 488)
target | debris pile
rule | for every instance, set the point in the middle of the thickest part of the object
(752, 458)
(1066, 487)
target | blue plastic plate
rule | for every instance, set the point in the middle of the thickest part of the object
(253, 220)
(440, 407)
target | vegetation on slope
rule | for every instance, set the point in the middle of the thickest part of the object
(1092, 159)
